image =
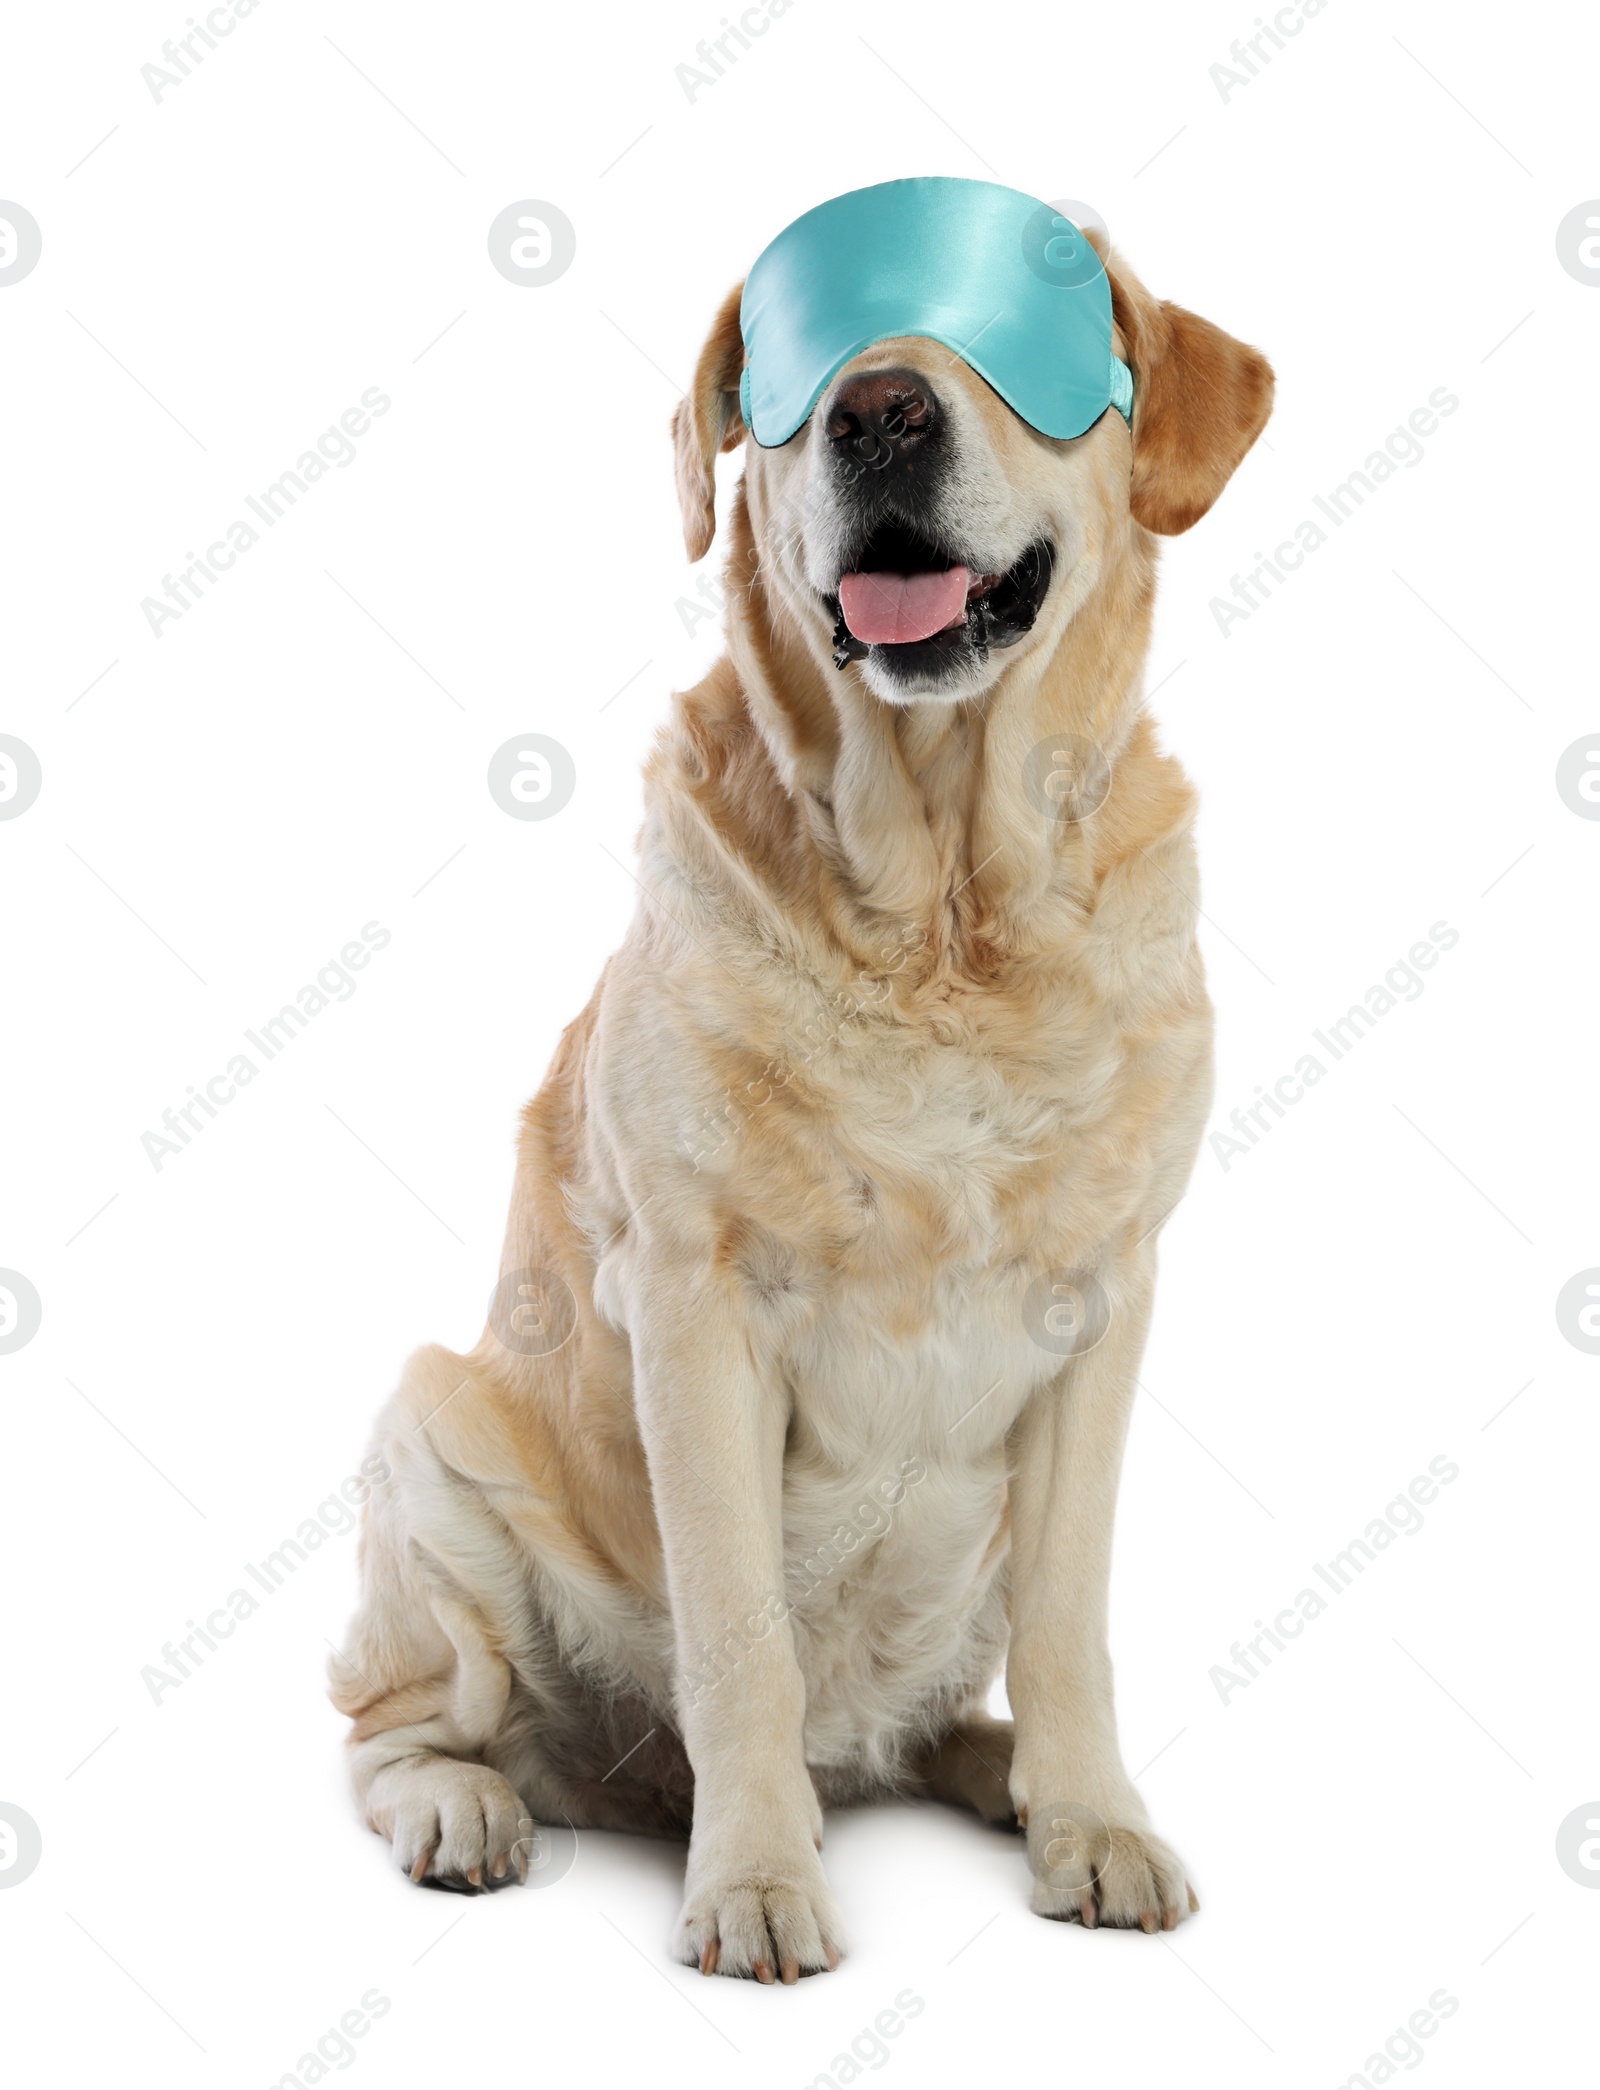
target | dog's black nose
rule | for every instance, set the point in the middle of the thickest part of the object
(882, 418)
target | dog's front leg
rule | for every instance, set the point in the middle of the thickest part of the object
(1090, 1844)
(755, 1900)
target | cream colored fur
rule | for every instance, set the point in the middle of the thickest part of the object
(885, 1046)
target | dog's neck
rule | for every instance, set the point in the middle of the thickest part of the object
(922, 824)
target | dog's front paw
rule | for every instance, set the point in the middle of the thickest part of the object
(769, 1920)
(1092, 1871)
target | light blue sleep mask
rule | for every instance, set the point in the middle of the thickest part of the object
(1001, 279)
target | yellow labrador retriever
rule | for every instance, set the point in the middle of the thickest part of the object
(830, 1258)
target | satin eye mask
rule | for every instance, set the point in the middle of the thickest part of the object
(1001, 279)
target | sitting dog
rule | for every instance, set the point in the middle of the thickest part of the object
(801, 1404)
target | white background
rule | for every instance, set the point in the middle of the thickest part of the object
(1370, 1820)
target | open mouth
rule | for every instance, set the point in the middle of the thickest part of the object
(909, 601)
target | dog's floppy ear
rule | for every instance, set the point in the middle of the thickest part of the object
(708, 420)
(1200, 399)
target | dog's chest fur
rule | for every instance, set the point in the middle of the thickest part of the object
(894, 1192)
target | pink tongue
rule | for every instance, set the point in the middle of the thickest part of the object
(893, 609)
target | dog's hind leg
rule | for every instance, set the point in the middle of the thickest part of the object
(970, 1766)
(425, 1674)
(614, 1765)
